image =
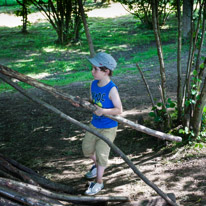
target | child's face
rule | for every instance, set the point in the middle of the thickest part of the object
(97, 73)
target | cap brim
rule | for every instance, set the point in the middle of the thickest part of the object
(94, 62)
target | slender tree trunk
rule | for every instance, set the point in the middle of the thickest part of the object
(198, 111)
(179, 70)
(202, 37)
(86, 28)
(187, 18)
(25, 17)
(189, 110)
(160, 55)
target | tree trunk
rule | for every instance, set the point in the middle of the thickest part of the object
(25, 17)
(179, 70)
(86, 28)
(187, 18)
(189, 110)
(161, 58)
(198, 111)
(202, 37)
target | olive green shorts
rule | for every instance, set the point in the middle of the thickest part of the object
(94, 145)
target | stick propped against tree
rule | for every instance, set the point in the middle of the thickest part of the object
(59, 94)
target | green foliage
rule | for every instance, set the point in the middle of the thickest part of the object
(189, 137)
(8, 2)
(143, 10)
(159, 112)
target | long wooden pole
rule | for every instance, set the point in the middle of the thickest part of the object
(105, 139)
(59, 94)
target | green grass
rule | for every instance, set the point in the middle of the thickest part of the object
(8, 2)
(36, 53)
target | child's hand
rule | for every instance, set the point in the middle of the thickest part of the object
(76, 104)
(98, 111)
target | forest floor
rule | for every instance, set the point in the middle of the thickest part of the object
(51, 146)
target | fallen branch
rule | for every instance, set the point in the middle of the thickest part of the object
(26, 199)
(32, 189)
(6, 202)
(29, 176)
(18, 173)
(59, 94)
(105, 139)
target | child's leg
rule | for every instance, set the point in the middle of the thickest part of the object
(93, 157)
(100, 173)
(102, 152)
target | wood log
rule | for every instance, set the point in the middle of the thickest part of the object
(32, 177)
(18, 165)
(27, 200)
(59, 94)
(105, 139)
(6, 202)
(24, 188)
(18, 173)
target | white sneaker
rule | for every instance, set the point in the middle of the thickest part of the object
(92, 173)
(94, 188)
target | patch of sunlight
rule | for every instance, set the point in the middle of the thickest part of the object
(24, 60)
(74, 138)
(11, 20)
(40, 75)
(68, 69)
(52, 49)
(46, 129)
(48, 49)
(114, 10)
(123, 46)
(165, 27)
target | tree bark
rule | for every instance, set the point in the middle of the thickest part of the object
(59, 94)
(28, 199)
(202, 37)
(86, 28)
(105, 139)
(187, 18)
(179, 70)
(160, 55)
(6, 202)
(201, 102)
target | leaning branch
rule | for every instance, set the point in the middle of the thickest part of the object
(105, 139)
(146, 84)
(59, 94)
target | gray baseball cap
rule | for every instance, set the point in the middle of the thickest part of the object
(102, 59)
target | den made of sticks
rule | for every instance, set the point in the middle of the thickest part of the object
(21, 185)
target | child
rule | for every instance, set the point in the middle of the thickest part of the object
(105, 96)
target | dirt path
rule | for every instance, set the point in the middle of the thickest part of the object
(52, 146)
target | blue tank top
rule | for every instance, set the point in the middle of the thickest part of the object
(100, 97)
